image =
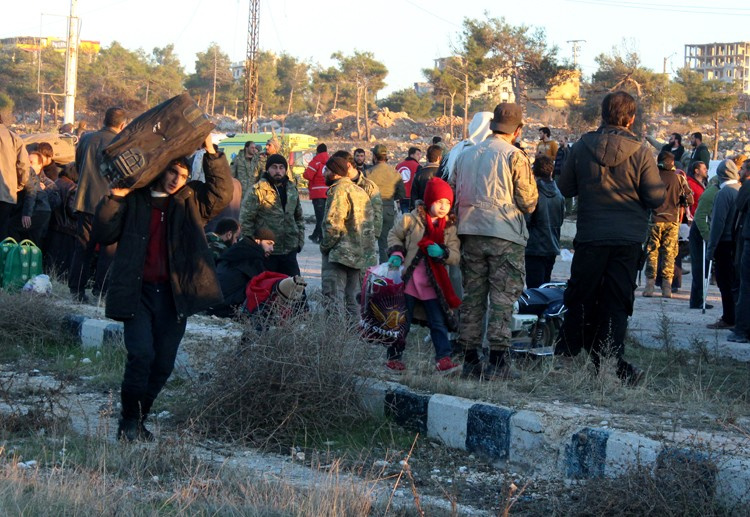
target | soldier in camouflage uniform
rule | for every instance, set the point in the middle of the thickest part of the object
(274, 203)
(347, 236)
(392, 190)
(664, 232)
(494, 189)
(243, 166)
(373, 193)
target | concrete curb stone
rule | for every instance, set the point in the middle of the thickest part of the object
(507, 436)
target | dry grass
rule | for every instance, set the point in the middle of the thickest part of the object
(703, 390)
(294, 381)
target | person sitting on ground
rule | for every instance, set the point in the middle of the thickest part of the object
(544, 225)
(426, 240)
(227, 233)
(237, 266)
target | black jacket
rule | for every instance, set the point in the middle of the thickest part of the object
(676, 152)
(191, 266)
(423, 175)
(545, 221)
(235, 268)
(617, 182)
(92, 186)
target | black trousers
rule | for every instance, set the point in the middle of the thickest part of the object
(538, 270)
(152, 338)
(35, 233)
(319, 205)
(6, 209)
(698, 266)
(83, 256)
(599, 299)
(285, 264)
(726, 280)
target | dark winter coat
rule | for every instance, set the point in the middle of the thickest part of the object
(191, 269)
(423, 175)
(240, 263)
(700, 154)
(544, 223)
(617, 181)
(63, 217)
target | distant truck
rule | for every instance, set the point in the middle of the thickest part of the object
(300, 149)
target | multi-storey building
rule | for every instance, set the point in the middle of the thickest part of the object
(728, 62)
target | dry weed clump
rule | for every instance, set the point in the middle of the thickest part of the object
(290, 380)
(27, 317)
(680, 485)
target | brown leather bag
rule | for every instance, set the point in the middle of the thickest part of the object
(141, 151)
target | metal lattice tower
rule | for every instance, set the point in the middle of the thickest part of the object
(251, 67)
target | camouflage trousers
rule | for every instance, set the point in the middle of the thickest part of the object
(340, 285)
(493, 271)
(663, 243)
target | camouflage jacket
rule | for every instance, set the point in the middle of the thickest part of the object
(348, 236)
(262, 209)
(388, 180)
(245, 170)
(373, 192)
(216, 245)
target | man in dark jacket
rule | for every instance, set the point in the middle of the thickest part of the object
(617, 181)
(720, 245)
(544, 225)
(92, 187)
(237, 266)
(162, 273)
(700, 152)
(426, 173)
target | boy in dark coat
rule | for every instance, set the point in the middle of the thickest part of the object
(162, 273)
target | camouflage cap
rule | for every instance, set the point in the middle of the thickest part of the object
(379, 150)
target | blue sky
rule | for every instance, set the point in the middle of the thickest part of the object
(406, 35)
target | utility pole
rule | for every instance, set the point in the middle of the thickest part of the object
(666, 81)
(251, 66)
(71, 64)
(576, 49)
(213, 97)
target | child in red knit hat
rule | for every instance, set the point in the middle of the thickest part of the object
(425, 241)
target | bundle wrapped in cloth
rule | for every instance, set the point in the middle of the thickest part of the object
(141, 151)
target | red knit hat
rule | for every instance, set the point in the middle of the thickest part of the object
(437, 189)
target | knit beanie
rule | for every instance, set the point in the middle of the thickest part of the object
(291, 288)
(437, 189)
(727, 170)
(274, 159)
(338, 166)
(264, 234)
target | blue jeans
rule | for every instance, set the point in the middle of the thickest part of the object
(436, 324)
(151, 339)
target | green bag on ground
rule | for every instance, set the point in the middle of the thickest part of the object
(21, 261)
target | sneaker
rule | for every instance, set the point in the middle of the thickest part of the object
(734, 337)
(708, 306)
(446, 366)
(395, 366)
(719, 325)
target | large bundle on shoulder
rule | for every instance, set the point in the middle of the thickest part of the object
(141, 151)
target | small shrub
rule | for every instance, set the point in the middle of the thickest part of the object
(296, 378)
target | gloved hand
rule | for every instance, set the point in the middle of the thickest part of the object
(395, 261)
(435, 251)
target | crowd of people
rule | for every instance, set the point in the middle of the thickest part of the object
(468, 229)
